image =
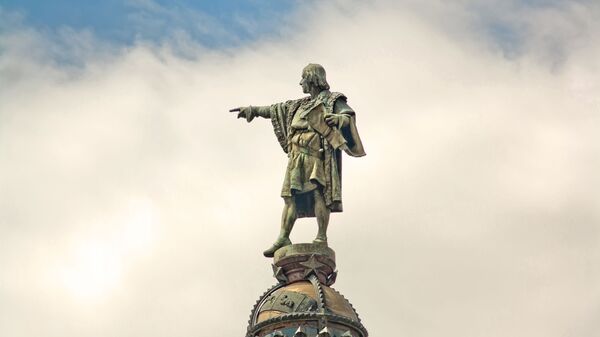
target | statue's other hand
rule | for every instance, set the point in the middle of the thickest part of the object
(332, 120)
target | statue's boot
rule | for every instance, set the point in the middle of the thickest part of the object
(281, 242)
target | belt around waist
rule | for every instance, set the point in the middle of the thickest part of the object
(306, 150)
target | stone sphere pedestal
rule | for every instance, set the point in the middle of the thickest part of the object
(302, 303)
(299, 260)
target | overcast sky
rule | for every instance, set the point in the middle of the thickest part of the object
(134, 204)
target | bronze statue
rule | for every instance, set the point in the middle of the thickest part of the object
(312, 131)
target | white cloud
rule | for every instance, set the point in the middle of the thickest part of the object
(477, 202)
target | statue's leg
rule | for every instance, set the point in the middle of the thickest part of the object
(322, 214)
(288, 218)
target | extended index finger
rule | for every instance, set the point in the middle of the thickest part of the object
(235, 110)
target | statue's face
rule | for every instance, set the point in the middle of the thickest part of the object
(304, 84)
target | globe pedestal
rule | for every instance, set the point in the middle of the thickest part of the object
(302, 303)
(295, 262)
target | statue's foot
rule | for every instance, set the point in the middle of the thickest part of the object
(320, 240)
(281, 242)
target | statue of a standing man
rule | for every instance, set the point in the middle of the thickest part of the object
(312, 131)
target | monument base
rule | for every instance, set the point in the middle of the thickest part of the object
(303, 304)
(297, 261)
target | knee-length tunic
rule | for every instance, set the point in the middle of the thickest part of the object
(305, 171)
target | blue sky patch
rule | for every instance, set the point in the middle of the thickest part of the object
(212, 23)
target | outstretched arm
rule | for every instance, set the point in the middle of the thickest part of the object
(249, 112)
(262, 111)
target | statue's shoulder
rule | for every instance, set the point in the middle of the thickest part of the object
(332, 97)
(293, 104)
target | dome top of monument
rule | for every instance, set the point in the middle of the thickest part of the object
(303, 304)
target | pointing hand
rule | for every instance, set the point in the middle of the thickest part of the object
(244, 112)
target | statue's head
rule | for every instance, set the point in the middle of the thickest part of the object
(313, 76)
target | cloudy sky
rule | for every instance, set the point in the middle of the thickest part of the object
(134, 204)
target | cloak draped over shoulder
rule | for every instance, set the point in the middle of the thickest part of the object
(328, 164)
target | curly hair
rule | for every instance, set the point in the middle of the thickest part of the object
(315, 75)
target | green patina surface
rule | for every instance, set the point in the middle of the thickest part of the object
(313, 131)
